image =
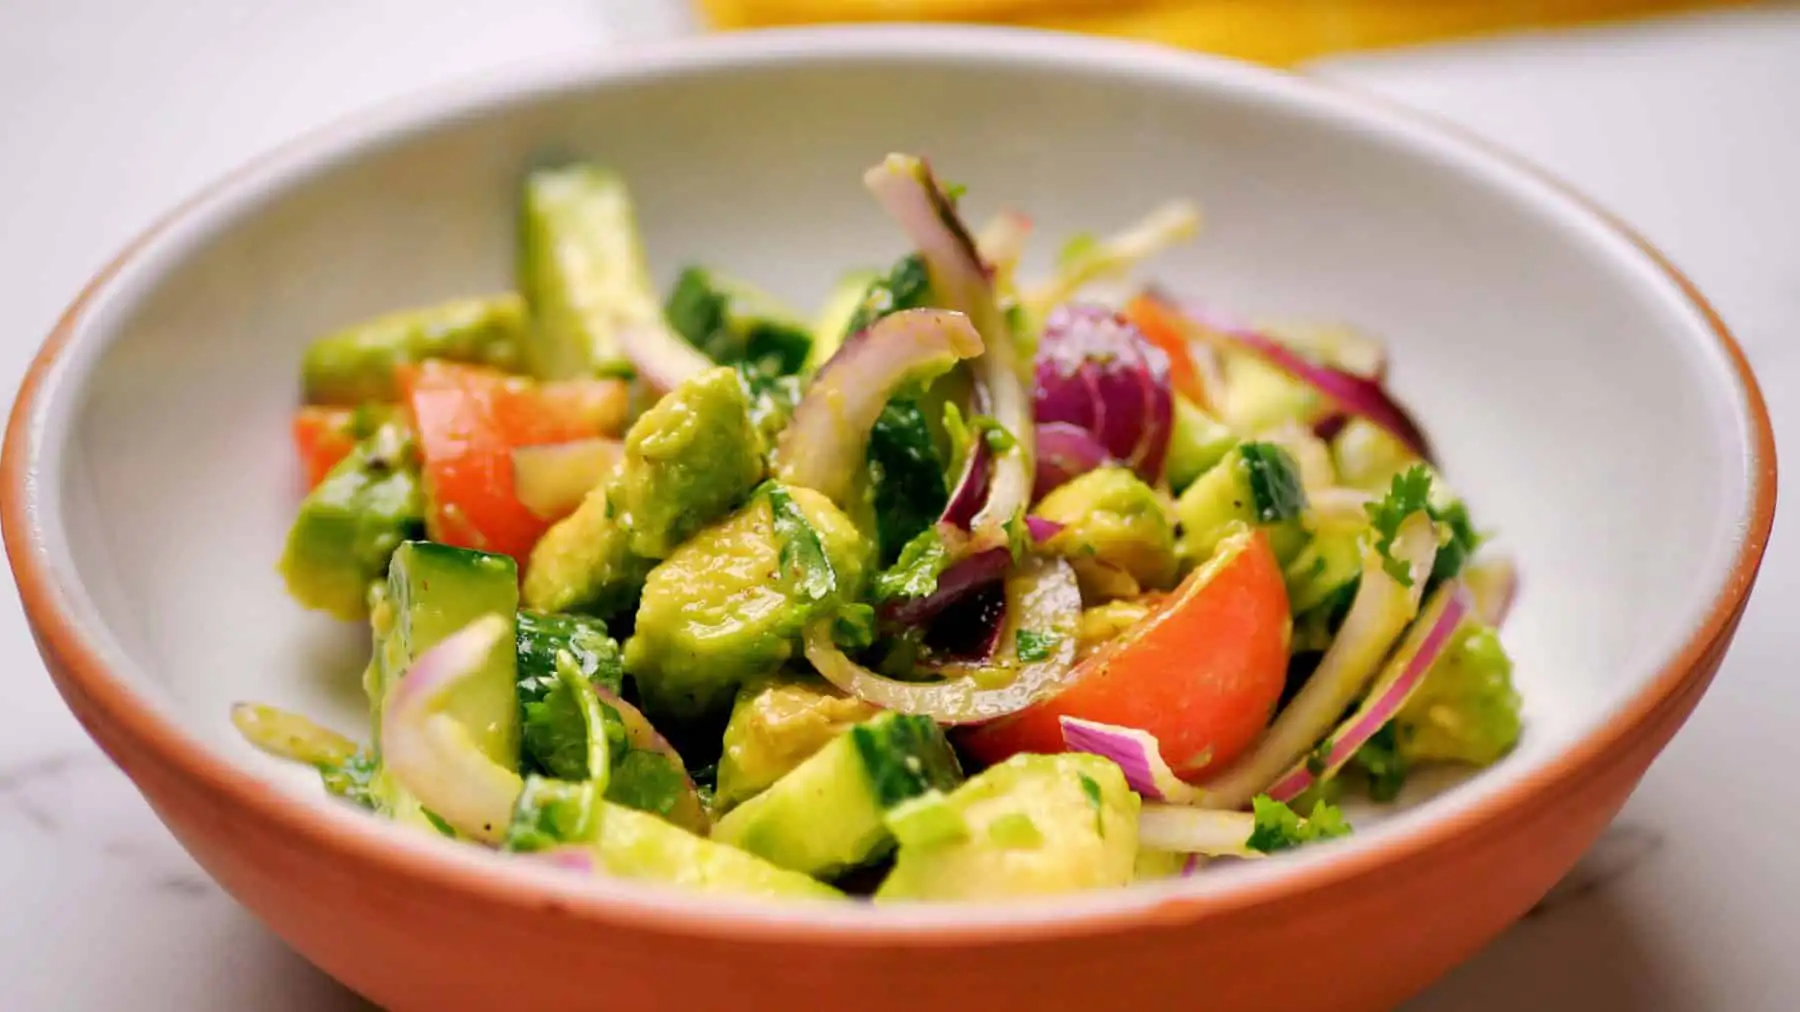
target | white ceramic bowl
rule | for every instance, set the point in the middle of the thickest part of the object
(1581, 396)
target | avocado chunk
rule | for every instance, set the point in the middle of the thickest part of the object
(1257, 484)
(776, 724)
(637, 845)
(723, 608)
(688, 461)
(583, 564)
(356, 365)
(735, 323)
(1196, 442)
(350, 524)
(829, 814)
(581, 268)
(1113, 523)
(1034, 825)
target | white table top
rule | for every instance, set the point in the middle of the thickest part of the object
(110, 111)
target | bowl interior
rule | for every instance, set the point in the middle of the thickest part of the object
(1569, 388)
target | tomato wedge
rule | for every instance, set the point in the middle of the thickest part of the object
(322, 438)
(1202, 672)
(469, 419)
(1164, 329)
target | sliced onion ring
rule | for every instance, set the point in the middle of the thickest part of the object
(662, 359)
(1138, 754)
(1042, 529)
(431, 754)
(1378, 615)
(906, 189)
(1430, 635)
(971, 489)
(551, 480)
(688, 812)
(824, 447)
(1355, 395)
(1184, 829)
(1065, 452)
(1041, 595)
(957, 581)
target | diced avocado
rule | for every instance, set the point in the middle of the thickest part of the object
(356, 365)
(1259, 396)
(828, 814)
(636, 845)
(1331, 560)
(582, 271)
(1197, 442)
(833, 321)
(1256, 484)
(1112, 520)
(688, 461)
(583, 564)
(735, 323)
(723, 608)
(350, 524)
(1034, 825)
(776, 724)
(433, 591)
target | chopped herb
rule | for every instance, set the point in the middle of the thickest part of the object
(1279, 827)
(1035, 646)
(1091, 788)
(915, 573)
(1380, 759)
(352, 778)
(1409, 493)
(551, 812)
(802, 556)
(906, 476)
(438, 823)
(646, 781)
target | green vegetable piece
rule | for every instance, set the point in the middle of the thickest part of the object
(1256, 484)
(1409, 493)
(1466, 710)
(555, 811)
(1113, 520)
(1196, 443)
(356, 365)
(544, 639)
(1072, 844)
(1034, 645)
(827, 815)
(1279, 827)
(647, 781)
(1458, 542)
(1260, 396)
(915, 573)
(350, 524)
(734, 323)
(776, 724)
(772, 401)
(906, 285)
(905, 475)
(722, 609)
(926, 821)
(549, 813)
(1331, 560)
(582, 271)
(1381, 764)
(637, 845)
(832, 323)
(353, 779)
(688, 461)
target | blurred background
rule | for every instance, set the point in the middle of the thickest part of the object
(1677, 116)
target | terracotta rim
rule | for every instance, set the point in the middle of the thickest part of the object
(111, 708)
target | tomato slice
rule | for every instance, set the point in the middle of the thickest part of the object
(1155, 322)
(1202, 672)
(469, 419)
(322, 438)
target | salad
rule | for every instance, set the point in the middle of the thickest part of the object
(967, 587)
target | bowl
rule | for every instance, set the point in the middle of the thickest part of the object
(1585, 398)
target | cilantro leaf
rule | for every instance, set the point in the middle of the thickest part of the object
(1461, 543)
(906, 476)
(1279, 827)
(915, 574)
(802, 556)
(549, 812)
(1034, 646)
(352, 779)
(1408, 494)
(646, 781)
(1380, 759)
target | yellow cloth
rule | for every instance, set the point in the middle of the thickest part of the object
(1272, 31)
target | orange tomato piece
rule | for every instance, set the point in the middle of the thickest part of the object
(1156, 323)
(322, 438)
(1202, 672)
(469, 419)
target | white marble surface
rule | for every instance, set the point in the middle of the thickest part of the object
(110, 111)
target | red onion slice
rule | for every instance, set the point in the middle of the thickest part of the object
(551, 480)
(971, 488)
(825, 445)
(1138, 754)
(1404, 672)
(431, 755)
(1065, 452)
(905, 188)
(688, 811)
(1041, 595)
(1042, 529)
(661, 357)
(568, 857)
(1356, 395)
(1378, 615)
(958, 581)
